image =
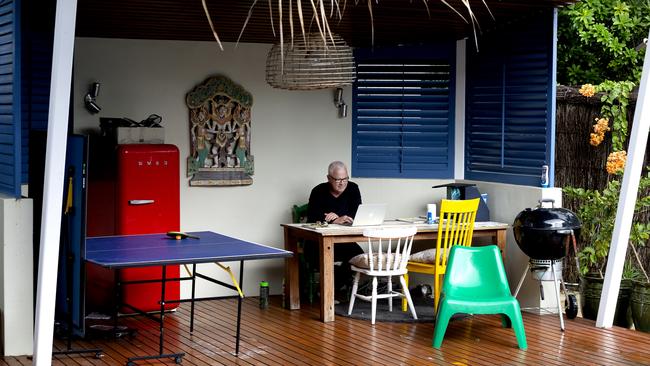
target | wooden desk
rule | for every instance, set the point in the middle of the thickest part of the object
(328, 236)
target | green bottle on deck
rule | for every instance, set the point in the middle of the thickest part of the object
(264, 295)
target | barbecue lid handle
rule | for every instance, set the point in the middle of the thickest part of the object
(544, 200)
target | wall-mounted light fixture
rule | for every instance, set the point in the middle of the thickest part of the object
(90, 99)
(340, 104)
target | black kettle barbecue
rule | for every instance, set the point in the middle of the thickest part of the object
(544, 234)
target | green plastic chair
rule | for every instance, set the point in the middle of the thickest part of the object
(299, 213)
(476, 283)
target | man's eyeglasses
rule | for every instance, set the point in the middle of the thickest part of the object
(342, 180)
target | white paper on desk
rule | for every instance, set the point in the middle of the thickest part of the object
(412, 220)
(487, 223)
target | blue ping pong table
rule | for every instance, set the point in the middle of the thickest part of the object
(118, 252)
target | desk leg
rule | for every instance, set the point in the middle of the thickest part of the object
(501, 242)
(241, 281)
(326, 247)
(291, 273)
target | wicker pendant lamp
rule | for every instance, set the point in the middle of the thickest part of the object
(316, 64)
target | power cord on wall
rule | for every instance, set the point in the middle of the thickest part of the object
(153, 120)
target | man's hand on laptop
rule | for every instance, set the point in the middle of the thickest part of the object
(340, 220)
(344, 220)
(330, 217)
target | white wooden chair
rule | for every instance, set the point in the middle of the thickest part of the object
(388, 259)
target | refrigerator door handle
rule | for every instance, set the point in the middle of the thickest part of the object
(140, 202)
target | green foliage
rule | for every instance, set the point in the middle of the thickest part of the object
(631, 272)
(597, 43)
(616, 98)
(597, 212)
(597, 40)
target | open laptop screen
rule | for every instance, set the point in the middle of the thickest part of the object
(370, 214)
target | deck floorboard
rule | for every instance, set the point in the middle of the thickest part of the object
(281, 337)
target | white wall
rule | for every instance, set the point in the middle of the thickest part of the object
(16, 276)
(294, 136)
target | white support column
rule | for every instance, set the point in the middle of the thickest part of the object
(57, 131)
(459, 114)
(626, 202)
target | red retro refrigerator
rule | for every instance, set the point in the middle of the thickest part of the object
(146, 191)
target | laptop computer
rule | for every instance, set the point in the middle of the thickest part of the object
(370, 214)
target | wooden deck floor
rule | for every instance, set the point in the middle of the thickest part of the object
(281, 337)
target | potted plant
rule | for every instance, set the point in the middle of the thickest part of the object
(597, 213)
(639, 237)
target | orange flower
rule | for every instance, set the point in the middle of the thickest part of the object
(587, 90)
(601, 126)
(596, 139)
(616, 162)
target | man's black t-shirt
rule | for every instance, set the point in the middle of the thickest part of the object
(321, 202)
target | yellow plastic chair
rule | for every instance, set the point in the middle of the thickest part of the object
(456, 226)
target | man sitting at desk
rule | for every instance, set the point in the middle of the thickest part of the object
(336, 202)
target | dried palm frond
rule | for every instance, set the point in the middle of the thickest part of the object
(291, 20)
(214, 32)
(474, 21)
(455, 11)
(271, 16)
(426, 5)
(372, 23)
(319, 10)
(250, 13)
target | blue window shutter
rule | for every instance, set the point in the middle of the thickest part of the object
(10, 105)
(403, 113)
(510, 104)
(36, 74)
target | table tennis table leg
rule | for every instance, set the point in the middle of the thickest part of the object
(118, 300)
(192, 302)
(239, 298)
(178, 357)
(162, 309)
